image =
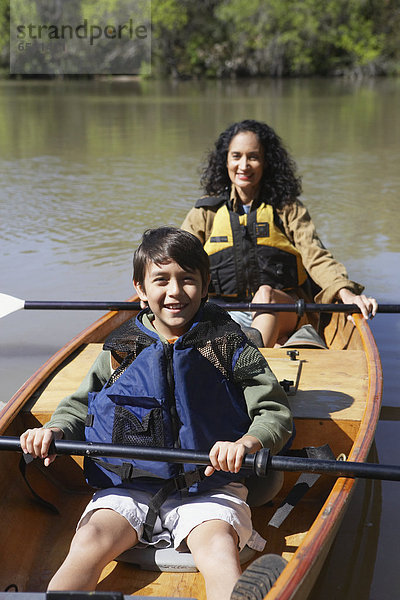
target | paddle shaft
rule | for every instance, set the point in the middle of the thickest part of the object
(300, 307)
(259, 463)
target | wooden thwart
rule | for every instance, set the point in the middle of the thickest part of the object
(328, 385)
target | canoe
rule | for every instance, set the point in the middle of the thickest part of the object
(335, 396)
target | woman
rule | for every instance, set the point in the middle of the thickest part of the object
(262, 244)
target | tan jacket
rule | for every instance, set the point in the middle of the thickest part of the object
(330, 275)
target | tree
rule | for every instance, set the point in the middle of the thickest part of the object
(300, 37)
(225, 38)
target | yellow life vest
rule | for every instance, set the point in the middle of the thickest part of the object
(250, 250)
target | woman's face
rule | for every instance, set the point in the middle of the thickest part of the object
(245, 164)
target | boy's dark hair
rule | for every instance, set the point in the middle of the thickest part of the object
(167, 243)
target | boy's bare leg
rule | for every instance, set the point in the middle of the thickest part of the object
(273, 326)
(214, 545)
(101, 537)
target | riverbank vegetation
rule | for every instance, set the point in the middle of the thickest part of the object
(276, 38)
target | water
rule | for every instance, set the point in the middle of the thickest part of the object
(87, 166)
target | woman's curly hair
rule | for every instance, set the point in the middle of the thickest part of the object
(279, 183)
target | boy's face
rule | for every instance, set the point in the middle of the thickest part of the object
(174, 296)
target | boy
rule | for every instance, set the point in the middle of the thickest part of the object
(181, 375)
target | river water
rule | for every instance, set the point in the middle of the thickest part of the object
(87, 166)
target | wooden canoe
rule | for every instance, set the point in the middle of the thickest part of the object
(335, 399)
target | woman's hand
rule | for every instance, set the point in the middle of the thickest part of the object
(36, 442)
(228, 456)
(368, 306)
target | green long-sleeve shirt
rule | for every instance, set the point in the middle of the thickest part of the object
(266, 401)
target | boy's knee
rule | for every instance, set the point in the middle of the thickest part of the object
(218, 535)
(225, 534)
(92, 539)
(86, 537)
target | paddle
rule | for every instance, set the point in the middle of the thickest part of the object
(259, 463)
(10, 304)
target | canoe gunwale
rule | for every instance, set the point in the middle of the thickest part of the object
(22, 396)
(296, 581)
(293, 583)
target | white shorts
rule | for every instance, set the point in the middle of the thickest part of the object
(178, 516)
(243, 317)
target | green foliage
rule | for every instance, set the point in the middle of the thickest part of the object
(169, 15)
(4, 33)
(219, 38)
(169, 19)
(387, 23)
(300, 37)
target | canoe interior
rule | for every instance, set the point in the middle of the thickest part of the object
(328, 399)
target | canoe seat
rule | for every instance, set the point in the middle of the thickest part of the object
(305, 337)
(168, 559)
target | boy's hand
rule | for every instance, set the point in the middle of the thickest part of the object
(228, 456)
(36, 442)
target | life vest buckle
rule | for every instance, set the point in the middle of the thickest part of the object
(185, 480)
(126, 472)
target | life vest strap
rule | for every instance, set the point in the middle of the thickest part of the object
(126, 471)
(175, 484)
(24, 461)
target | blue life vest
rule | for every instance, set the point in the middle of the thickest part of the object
(170, 395)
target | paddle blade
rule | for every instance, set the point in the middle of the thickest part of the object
(10, 304)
